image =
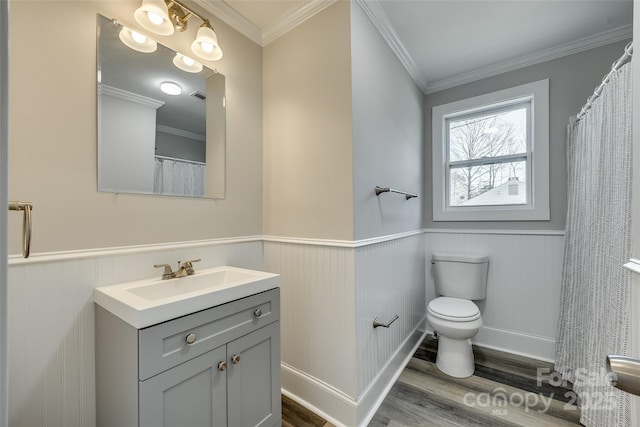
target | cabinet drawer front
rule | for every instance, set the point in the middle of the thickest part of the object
(168, 344)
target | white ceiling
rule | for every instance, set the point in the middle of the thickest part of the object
(443, 43)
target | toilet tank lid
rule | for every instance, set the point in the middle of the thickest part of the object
(468, 258)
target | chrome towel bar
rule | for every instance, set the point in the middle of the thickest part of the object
(380, 190)
(377, 323)
(26, 208)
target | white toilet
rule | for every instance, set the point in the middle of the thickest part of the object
(459, 279)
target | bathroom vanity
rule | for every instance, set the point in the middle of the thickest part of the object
(218, 366)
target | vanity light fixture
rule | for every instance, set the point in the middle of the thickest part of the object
(170, 88)
(153, 15)
(163, 17)
(137, 41)
(186, 64)
(206, 43)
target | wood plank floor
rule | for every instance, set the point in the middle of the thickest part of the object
(505, 391)
(295, 415)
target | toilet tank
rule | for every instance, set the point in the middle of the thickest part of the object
(461, 276)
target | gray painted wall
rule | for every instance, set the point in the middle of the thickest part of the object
(387, 135)
(180, 147)
(128, 137)
(571, 80)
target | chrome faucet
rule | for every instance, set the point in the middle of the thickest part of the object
(184, 269)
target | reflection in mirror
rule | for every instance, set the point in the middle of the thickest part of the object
(161, 118)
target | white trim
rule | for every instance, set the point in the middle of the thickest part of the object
(55, 256)
(129, 96)
(538, 208)
(549, 343)
(312, 242)
(379, 19)
(342, 243)
(590, 42)
(124, 250)
(180, 132)
(497, 232)
(311, 408)
(292, 19)
(532, 346)
(233, 18)
(264, 36)
(633, 265)
(371, 399)
(344, 410)
(300, 384)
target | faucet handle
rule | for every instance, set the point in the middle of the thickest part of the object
(168, 273)
(188, 265)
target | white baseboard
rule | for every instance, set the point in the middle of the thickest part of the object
(372, 397)
(337, 407)
(533, 346)
(319, 397)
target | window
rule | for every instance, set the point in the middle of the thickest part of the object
(491, 156)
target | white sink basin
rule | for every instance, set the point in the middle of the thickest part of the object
(147, 302)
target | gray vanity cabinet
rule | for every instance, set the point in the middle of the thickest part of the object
(253, 401)
(191, 394)
(214, 368)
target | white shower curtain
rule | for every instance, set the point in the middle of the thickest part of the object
(594, 312)
(178, 178)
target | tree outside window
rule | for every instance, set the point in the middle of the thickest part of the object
(484, 153)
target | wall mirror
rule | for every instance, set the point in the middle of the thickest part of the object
(161, 129)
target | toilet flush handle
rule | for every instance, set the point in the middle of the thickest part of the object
(377, 323)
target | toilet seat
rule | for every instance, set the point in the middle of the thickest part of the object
(454, 309)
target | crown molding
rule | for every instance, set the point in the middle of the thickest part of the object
(235, 20)
(262, 37)
(590, 42)
(376, 15)
(129, 96)
(293, 19)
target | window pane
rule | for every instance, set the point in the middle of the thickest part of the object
(488, 135)
(498, 184)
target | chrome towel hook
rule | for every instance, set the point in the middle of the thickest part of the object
(26, 208)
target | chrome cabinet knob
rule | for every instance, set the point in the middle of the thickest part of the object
(235, 359)
(257, 313)
(222, 366)
(191, 338)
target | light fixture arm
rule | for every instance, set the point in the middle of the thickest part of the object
(188, 13)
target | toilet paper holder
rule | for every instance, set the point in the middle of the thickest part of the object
(377, 323)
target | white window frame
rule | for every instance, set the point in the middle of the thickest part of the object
(537, 155)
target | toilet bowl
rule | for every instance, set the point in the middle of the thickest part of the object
(456, 321)
(459, 279)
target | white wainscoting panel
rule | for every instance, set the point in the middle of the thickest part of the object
(520, 312)
(333, 360)
(317, 320)
(51, 324)
(390, 280)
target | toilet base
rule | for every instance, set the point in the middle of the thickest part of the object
(455, 357)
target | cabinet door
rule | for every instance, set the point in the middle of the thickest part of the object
(191, 394)
(253, 383)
